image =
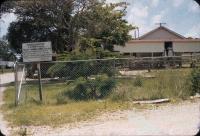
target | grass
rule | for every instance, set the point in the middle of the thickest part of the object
(3, 71)
(55, 115)
(50, 113)
(166, 84)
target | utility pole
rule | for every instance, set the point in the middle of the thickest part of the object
(137, 32)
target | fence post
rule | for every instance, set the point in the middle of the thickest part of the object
(114, 67)
(39, 79)
(16, 84)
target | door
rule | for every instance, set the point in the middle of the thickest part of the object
(168, 49)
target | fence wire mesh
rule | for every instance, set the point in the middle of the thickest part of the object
(65, 81)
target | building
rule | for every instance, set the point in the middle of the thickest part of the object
(160, 42)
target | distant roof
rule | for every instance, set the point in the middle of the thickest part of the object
(161, 33)
(161, 41)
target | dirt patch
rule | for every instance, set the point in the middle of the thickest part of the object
(170, 119)
(4, 79)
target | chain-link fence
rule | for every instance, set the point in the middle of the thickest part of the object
(64, 81)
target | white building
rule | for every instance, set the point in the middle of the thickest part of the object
(160, 42)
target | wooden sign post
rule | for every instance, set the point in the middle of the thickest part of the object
(39, 81)
(37, 52)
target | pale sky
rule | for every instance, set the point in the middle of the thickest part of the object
(182, 16)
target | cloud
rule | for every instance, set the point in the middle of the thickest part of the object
(193, 7)
(154, 3)
(177, 3)
(139, 11)
(138, 14)
(5, 22)
(158, 18)
(194, 31)
(113, 1)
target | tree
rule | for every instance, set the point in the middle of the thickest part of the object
(41, 21)
(5, 53)
(198, 1)
(103, 25)
(69, 23)
(6, 6)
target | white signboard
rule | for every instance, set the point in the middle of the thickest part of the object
(36, 52)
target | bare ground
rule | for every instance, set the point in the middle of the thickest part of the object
(170, 119)
(4, 79)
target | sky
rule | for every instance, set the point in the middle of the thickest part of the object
(181, 16)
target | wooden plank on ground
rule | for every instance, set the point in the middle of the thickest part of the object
(152, 101)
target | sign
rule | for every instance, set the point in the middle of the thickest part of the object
(36, 52)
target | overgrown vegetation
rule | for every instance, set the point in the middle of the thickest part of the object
(195, 81)
(5, 52)
(92, 79)
(82, 99)
(97, 88)
(166, 84)
(4, 70)
(52, 113)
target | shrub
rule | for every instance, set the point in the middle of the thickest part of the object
(122, 93)
(138, 81)
(62, 99)
(80, 92)
(172, 83)
(75, 70)
(195, 81)
(97, 88)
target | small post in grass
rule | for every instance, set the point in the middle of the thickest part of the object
(39, 79)
(16, 84)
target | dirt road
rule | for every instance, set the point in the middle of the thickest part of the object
(4, 79)
(178, 119)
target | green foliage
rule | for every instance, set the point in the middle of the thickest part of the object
(41, 21)
(62, 99)
(69, 24)
(138, 81)
(5, 53)
(6, 7)
(92, 89)
(166, 84)
(171, 83)
(74, 70)
(89, 53)
(122, 93)
(195, 81)
(105, 26)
